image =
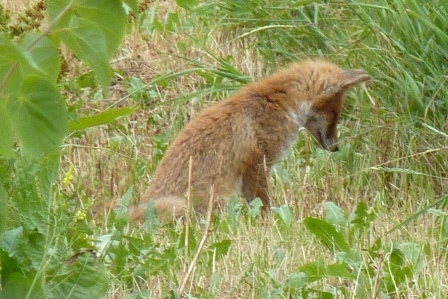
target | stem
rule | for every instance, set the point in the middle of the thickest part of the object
(201, 246)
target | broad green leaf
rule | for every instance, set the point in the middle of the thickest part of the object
(362, 218)
(92, 29)
(109, 16)
(11, 241)
(81, 277)
(284, 214)
(3, 211)
(32, 204)
(133, 5)
(187, 4)
(11, 57)
(39, 117)
(296, 281)
(43, 55)
(334, 215)
(327, 233)
(6, 133)
(19, 286)
(121, 211)
(219, 249)
(255, 207)
(88, 42)
(317, 270)
(414, 254)
(60, 12)
(106, 117)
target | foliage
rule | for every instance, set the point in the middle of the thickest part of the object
(41, 251)
(401, 261)
(385, 237)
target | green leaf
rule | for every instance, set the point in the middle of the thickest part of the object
(11, 240)
(109, 16)
(362, 218)
(11, 56)
(334, 215)
(43, 55)
(34, 196)
(3, 210)
(6, 133)
(187, 4)
(284, 214)
(89, 43)
(39, 117)
(133, 5)
(81, 277)
(296, 282)
(92, 29)
(255, 207)
(18, 286)
(327, 233)
(318, 270)
(106, 117)
(219, 249)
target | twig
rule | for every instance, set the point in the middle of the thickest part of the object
(376, 286)
(188, 212)
(201, 246)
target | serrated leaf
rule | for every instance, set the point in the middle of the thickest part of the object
(106, 117)
(327, 233)
(43, 56)
(361, 217)
(81, 277)
(39, 117)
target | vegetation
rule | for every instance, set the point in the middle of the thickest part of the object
(92, 93)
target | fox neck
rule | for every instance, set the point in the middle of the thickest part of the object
(300, 116)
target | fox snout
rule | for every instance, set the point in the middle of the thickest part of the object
(330, 144)
(324, 130)
(328, 140)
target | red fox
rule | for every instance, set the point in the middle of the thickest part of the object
(233, 144)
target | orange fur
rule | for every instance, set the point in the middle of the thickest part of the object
(234, 143)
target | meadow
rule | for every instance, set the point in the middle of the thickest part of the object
(368, 221)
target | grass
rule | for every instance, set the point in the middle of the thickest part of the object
(392, 157)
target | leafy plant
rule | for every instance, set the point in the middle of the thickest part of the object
(45, 252)
(392, 265)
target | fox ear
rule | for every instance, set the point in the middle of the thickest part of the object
(352, 77)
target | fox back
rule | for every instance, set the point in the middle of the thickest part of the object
(231, 147)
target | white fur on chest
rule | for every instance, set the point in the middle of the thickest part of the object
(299, 118)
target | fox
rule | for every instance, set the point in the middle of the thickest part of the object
(230, 147)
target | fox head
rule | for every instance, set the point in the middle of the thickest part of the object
(326, 87)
